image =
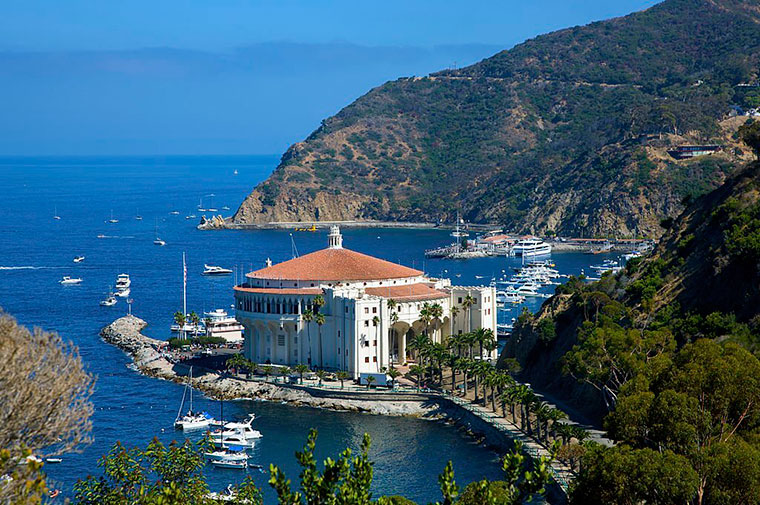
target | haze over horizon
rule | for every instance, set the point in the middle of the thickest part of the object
(239, 78)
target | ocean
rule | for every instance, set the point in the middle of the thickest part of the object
(36, 250)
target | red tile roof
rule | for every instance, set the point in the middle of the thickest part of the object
(408, 293)
(335, 265)
(282, 291)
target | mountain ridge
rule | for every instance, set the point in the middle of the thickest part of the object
(565, 133)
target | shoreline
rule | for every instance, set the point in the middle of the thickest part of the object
(125, 333)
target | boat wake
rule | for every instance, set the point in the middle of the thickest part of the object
(28, 267)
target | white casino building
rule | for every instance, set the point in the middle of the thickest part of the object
(359, 333)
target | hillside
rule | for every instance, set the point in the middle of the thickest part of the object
(564, 133)
(702, 280)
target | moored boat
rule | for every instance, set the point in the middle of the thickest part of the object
(70, 281)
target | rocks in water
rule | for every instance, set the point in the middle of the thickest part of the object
(213, 223)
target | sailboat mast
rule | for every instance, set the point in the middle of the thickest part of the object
(191, 389)
(184, 285)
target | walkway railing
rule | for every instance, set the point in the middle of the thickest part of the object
(561, 473)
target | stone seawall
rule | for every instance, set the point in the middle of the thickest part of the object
(125, 334)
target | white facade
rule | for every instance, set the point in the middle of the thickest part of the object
(358, 334)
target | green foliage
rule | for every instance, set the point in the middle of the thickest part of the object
(345, 481)
(750, 135)
(626, 476)
(546, 330)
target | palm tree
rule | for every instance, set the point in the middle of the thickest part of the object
(425, 316)
(318, 302)
(468, 302)
(321, 374)
(392, 333)
(393, 374)
(436, 313)
(522, 395)
(251, 366)
(418, 371)
(490, 345)
(207, 324)
(541, 410)
(419, 343)
(453, 362)
(308, 317)
(180, 319)
(285, 373)
(453, 312)
(237, 361)
(464, 366)
(300, 370)
(565, 431)
(319, 318)
(195, 321)
(370, 380)
(342, 375)
(555, 415)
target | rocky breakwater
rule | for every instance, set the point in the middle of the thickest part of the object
(212, 223)
(125, 333)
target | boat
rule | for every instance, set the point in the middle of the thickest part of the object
(530, 247)
(235, 172)
(158, 241)
(220, 324)
(138, 217)
(174, 213)
(225, 207)
(221, 463)
(123, 293)
(190, 216)
(215, 270)
(223, 440)
(53, 460)
(123, 281)
(69, 281)
(102, 236)
(233, 453)
(79, 259)
(191, 420)
(110, 301)
(55, 214)
(113, 220)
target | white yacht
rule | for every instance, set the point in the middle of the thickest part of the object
(215, 270)
(233, 453)
(159, 242)
(223, 463)
(220, 324)
(123, 293)
(530, 247)
(123, 281)
(509, 297)
(68, 281)
(79, 259)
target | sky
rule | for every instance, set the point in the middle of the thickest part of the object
(233, 76)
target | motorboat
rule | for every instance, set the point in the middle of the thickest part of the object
(225, 207)
(123, 281)
(174, 213)
(190, 216)
(79, 259)
(123, 293)
(215, 270)
(223, 439)
(159, 242)
(235, 172)
(530, 247)
(219, 324)
(509, 297)
(110, 301)
(53, 460)
(232, 453)
(69, 281)
(221, 463)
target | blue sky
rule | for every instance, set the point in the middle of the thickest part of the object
(232, 76)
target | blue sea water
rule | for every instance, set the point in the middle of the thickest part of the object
(36, 251)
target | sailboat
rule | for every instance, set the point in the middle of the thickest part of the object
(191, 420)
(158, 240)
(138, 217)
(200, 206)
(55, 214)
(112, 220)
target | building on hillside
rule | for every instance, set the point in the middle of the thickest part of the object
(361, 332)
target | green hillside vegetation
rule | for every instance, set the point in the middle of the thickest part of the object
(668, 349)
(564, 133)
